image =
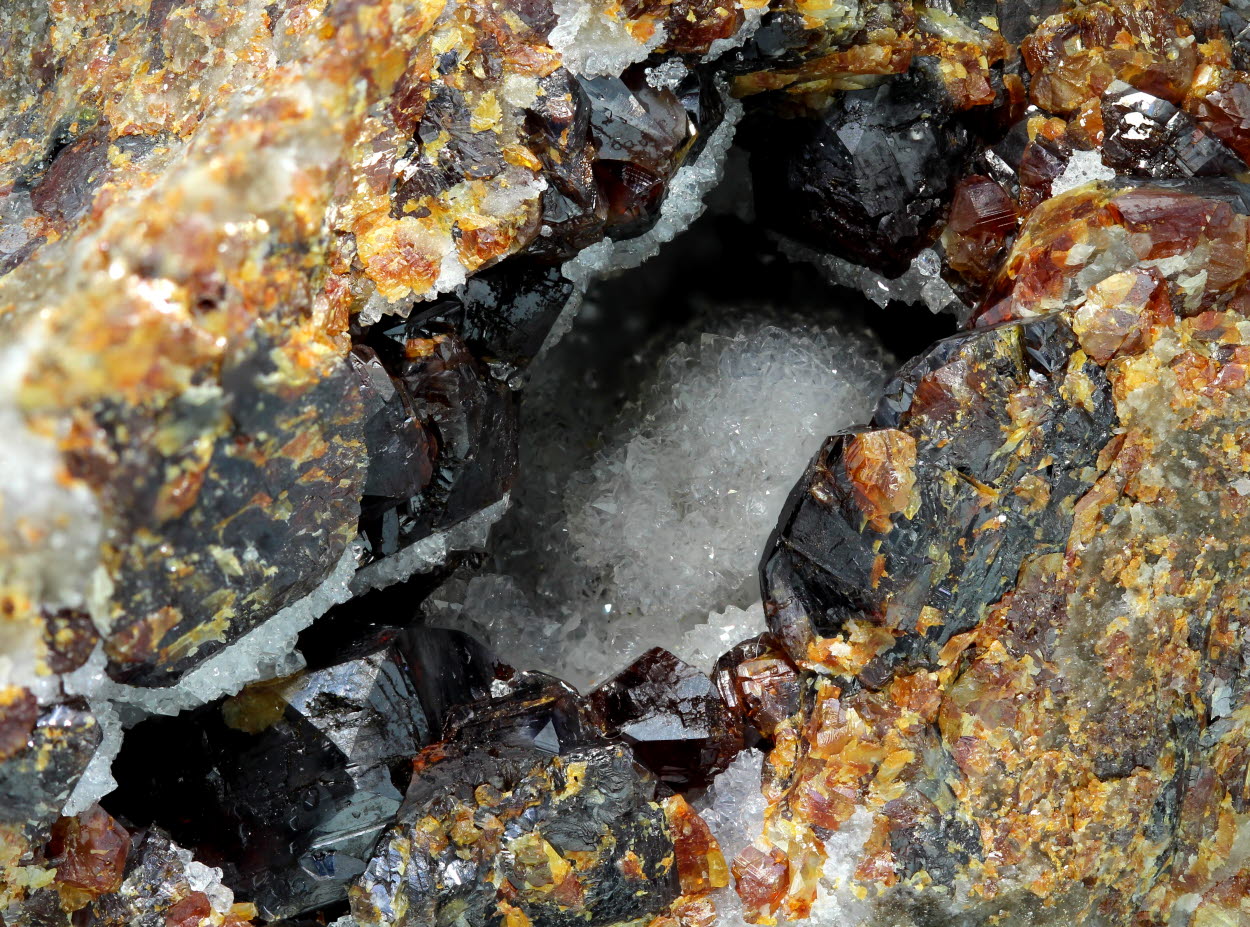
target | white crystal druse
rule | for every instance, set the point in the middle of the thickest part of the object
(639, 521)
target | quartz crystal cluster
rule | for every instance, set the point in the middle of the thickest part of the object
(289, 312)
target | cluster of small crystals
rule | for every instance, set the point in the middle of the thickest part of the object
(209, 220)
(705, 445)
(271, 281)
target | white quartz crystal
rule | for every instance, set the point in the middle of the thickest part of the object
(97, 779)
(837, 900)
(429, 552)
(1082, 167)
(704, 643)
(920, 284)
(592, 39)
(640, 521)
(733, 808)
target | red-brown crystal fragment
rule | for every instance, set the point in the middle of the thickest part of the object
(761, 878)
(1225, 111)
(70, 637)
(982, 220)
(1075, 56)
(89, 852)
(672, 716)
(759, 683)
(189, 911)
(693, 25)
(881, 465)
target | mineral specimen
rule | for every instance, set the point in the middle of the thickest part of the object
(526, 814)
(326, 755)
(672, 716)
(1016, 592)
(234, 244)
(274, 282)
(706, 438)
(100, 874)
(870, 177)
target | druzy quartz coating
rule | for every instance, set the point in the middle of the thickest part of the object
(273, 281)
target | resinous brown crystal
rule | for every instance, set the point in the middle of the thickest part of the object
(1027, 668)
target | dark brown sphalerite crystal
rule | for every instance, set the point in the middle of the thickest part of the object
(998, 637)
(759, 684)
(527, 814)
(470, 419)
(672, 716)
(328, 754)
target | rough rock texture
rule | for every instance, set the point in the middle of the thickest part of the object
(1017, 592)
(232, 235)
(287, 785)
(43, 752)
(271, 281)
(527, 814)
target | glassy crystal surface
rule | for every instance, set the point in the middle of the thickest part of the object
(301, 773)
(527, 810)
(672, 716)
(281, 288)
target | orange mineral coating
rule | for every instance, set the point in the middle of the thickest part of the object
(1040, 748)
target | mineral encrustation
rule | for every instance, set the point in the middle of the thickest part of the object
(527, 814)
(100, 874)
(1018, 593)
(287, 785)
(272, 281)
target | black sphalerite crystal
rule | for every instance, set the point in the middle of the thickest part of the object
(869, 178)
(287, 785)
(37, 775)
(527, 807)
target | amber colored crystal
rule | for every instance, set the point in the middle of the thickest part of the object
(700, 864)
(759, 683)
(880, 465)
(90, 855)
(761, 878)
(189, 911)
(1075, 56)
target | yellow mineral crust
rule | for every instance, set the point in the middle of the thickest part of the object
(1081, 753)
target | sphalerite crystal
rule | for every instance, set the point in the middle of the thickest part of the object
(1016, 593)
(273, 280)
(328, 754)
(526, 813)
(673, 717)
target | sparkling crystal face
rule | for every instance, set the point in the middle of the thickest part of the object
(624, 463)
